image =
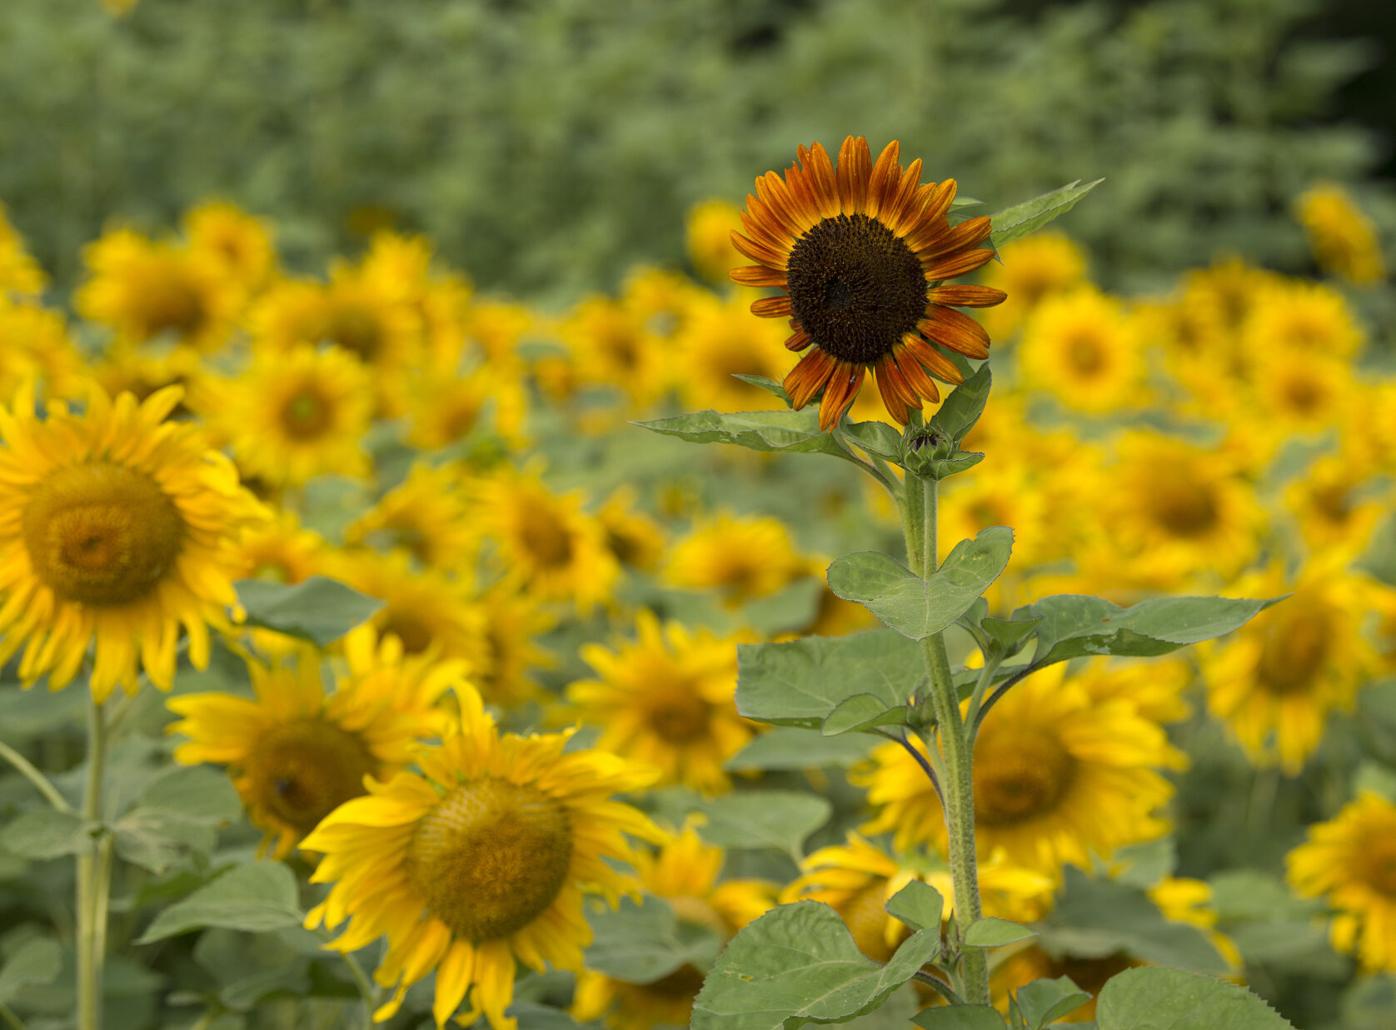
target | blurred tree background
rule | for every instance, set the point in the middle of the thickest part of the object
(547, 145)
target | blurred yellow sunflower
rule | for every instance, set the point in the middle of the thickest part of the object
(663, 299)
(858, 878)
(546, 543)
(35, 346)
(1029, 271)
(496, 328)
(721, 338)
(1343, 239)
(504, 653)
(742, 558)
(1310, 318)
(1276, 680)
(296, 414)
(1230, 288)
(297, 751)
(1297, 393)
(636, 540)
(1350, 862)
(684, 872)
(119, 528)
(859, 254)
(1338, 501)
(611, 346)
(446, 409)
(478, 862)
(708, 233)
(1180, 506)
(242, 243)
(428, 612)
(666, 698)
(1059, 777)
(142, 371)
(1085, 350)
(281, 550)
(19, 272)
(1156, 688)
(427, 516)
(145, 289)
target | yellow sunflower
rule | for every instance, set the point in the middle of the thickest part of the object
(405, 268)
(1338, 501)
(708, 237)
(742, 558)
(1310, 318)
(859, 254)
(1059, 777)
(35, 345)
(662, 299)
(142, 371)
(145, 289)
(446, 408)
(636, 540)
(612, 346)
(1156, 688)
(428, 612)
(858, 878)
(1297, 393)
(684, 872)
(1350, 861)
(546, 543)
(242, 243)
(478, 861)
(1029, 271)
(1275, 681)
(281, 550)
(497, 328)
(1085, 350)
(1343, 239)
(721, 338)
(297, 751)
(505, 653)
(666, 699)
(1229, 287)
(296, 414)
(19, 272)
(1181, 506)
(118, 528)
(427, 516)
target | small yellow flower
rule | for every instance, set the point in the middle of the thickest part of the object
(1309, 319)
(427, 612)
(477, 862)
(1350, 861)
(19, 273)
(666, 699)
(742, 558)
(708, 234)
(1029, 271)
(242, 243)
(427, 516)
(1343, 239)
(636, 540)
(722, 338)
(35, 345)
(1084, 349)
(612, 347)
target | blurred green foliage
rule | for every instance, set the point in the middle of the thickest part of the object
(549, 144)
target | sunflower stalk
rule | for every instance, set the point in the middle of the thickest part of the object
(950, 739)
(94, 864)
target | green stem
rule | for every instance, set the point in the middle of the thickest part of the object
(952, 740)
(30, 772)
(367, 991)
(10, 1019)
(93, 880)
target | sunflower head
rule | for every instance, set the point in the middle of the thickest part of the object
(860, 251)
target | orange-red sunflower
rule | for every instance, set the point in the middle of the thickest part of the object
(861, 251)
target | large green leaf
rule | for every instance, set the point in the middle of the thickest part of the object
(798, 964)
(176, 818)
(319, 610)
(1074, 625)
(46, 833)
(1169, 999)
(793, 431)
(642, 943)
(918, 608)
(255, 897)
(778, 819)
(36, 961)
(801, 683)
(1031, 215)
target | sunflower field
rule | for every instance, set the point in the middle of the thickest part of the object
(740, 515)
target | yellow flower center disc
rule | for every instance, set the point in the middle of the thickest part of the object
(1019, 776)
(491, 857)
(101, 533)
(1380, 868)
(302, 771)
(545, 538)
(356, 330)
(306, 414)
(1295, 648)
(1184, 508)
(679, 715)
(169, 302)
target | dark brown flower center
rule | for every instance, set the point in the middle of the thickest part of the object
(306, 414)
(545, 538)
(1184, 508)
(356, 329)
(302, 771)
(679, 715)
(101, 533)
(1294, 647)
(855, 287)
(171, 303)
(1379, 868)
(413, 632)
(1019, 776)
(491, 857)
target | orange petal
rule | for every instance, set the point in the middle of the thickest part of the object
(838, 395)
(959, 264)
(886, 175)
(894, 212)
(967, 296)
(798, 340)
(968, 233)
(855, 166)
(930, 221)
(758, 252)
(959, 332)
(770, 221)
(757, 275)
(772, 190)
(772, 307)
(821, 178)
(891, 400)
(761, 233)
(914, 374)
(804, 380)
(936, 363)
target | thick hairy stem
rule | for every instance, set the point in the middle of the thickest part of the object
(93, 880)
(953, 741)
